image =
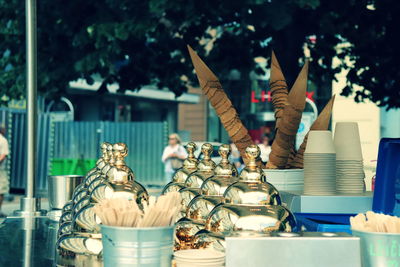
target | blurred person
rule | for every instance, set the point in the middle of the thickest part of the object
(4, 183)
(265, 148)
(268, 132)
(173, 156)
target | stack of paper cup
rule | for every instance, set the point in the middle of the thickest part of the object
(199, 258)
(349, 160)
(320, 164)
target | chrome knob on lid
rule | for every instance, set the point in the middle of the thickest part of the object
(120, 173)
(111, 159)
(205, 169)
(104, 155)
(191, 162)
(206, 164)
(189, 166)
(101, 162)
(225, 168)
(252, 172)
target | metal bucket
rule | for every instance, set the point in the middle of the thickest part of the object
(379, 249)
(150, 247)
(61, 188)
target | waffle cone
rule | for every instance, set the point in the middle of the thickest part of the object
(296, 96)
(236, 128)
(223, 106)
(321, 123)
(289, 121)
(242, 133)
(278, 86)
(218, 97)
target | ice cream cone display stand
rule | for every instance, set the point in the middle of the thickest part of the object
(305, 207)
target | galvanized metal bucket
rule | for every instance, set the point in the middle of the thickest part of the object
(379, 249)
(61, 188)
(149, 247)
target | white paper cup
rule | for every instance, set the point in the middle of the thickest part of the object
(320, 172)
(347, 141)
(320, 142)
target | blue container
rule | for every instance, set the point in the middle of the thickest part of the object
(387, 184)
(324, 222)
(147, 247)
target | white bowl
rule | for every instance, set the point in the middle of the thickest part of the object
(287, 179)
(199, 254)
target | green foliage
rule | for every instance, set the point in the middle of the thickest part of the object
(135, 43)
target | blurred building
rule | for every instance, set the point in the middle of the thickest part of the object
(147, 104)
(192, 118)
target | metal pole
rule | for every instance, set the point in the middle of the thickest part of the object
(28, 242)
(30, 206)
(31, 89)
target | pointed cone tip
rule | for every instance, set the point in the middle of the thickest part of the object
(276, 73)
(273, 56)
(297, 95)
(191, 51)
(322, 122)
(203, 72)
(274, 61)
(328, 107)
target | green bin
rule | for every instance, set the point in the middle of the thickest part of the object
(62, 166)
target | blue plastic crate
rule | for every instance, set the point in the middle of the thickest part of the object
(324, 222)
(387, 183)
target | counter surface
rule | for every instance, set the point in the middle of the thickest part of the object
(27, 242)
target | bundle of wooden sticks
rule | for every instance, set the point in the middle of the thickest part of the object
(374, 222)
(158, 212)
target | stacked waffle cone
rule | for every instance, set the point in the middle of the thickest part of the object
(288, 111)
(288, 108)
(288, 123)
(279, 88)
(223, 106)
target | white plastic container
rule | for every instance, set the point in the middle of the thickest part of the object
(285, 180)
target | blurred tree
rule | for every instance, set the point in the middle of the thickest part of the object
(135, 43)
